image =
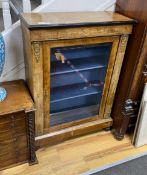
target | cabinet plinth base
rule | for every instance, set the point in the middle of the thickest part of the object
(72, 132)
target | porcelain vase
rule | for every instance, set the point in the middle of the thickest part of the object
(3, 92)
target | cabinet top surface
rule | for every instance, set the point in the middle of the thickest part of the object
(63, 19)
(17, 99)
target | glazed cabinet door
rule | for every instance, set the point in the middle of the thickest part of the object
(77, 77)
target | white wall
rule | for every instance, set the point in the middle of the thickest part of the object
(0, 3)
(14, 65)
(78, 5)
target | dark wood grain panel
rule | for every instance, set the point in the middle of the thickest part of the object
(6, 135)
(14, 155)
(5, 119)
(14, 160)
(131, 81)
(11, 125)
(10, 118)
(10, 149)
(7, 163)
(20, 141)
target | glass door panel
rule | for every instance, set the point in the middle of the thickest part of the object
(77, 81)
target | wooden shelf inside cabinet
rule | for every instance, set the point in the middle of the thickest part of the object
(17, 126)
(59, 68)
(73, 61)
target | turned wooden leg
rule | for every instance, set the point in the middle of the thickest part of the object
(118, 136)
(130, 108)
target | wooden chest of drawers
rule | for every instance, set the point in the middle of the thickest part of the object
(16, 126)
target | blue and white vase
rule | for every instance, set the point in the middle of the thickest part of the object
(3, 92)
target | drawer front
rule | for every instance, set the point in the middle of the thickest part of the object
(6, 149)
(14, 151)
(5, 119)
(9, 134)
(18, 141)
(12, 122)
(10, 148)
(11, 159)
(13, 139)
(9, 117)
(14, 155)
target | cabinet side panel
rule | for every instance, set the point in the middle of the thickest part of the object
(34, 75)
(27, 56)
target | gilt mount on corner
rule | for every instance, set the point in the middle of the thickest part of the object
(73, 61)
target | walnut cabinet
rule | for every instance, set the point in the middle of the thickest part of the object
(73, 62)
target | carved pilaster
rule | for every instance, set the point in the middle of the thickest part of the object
(37, 84)
(123, 43)
(31, 138)
(37, 50)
